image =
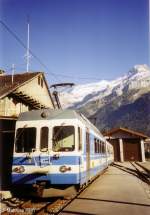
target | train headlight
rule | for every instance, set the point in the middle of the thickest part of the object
(19, 169)
(64, 169)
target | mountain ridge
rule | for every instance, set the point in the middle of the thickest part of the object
(114, 99)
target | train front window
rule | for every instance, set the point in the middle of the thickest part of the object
(25, 140)
(63, 138)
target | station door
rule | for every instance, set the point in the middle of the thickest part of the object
(115, 144)
(7, 130)
(132, 150)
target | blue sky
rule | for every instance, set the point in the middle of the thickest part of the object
(79, 41)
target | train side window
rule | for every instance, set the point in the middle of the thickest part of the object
(44, 138)
(98, 146)
(101, 147)
(87, 142)
(79, 138)
(104, 147)
(95, 145)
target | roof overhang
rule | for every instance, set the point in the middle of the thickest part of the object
(131, 132)
(27, 99)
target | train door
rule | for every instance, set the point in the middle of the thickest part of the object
(44, 152)
(87, 155)
(81, 159)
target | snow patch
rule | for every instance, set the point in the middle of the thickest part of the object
(79, 95)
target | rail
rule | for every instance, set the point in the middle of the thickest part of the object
(142, 172)
(40, 206)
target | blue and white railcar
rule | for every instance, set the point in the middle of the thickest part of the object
(57, 148)
(110, 153)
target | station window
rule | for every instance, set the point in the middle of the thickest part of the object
(80, 138)
(44, 138)
(25, 140)
(40, 81)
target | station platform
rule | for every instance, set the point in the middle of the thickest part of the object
(117, 191)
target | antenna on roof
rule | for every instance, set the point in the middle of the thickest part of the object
(28, 45)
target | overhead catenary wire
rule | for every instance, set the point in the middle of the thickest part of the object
(81, 78)
(55, 75)
(28, 47)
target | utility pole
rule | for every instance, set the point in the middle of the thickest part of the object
(13, 71)
(28, 45)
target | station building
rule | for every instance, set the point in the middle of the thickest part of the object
(128, 144)
(18, 93)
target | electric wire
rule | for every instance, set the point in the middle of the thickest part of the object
(24, 46)
(55, 75)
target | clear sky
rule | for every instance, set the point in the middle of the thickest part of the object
(79, 41)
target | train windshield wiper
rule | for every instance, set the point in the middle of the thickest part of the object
(20, 133)
(56, 135)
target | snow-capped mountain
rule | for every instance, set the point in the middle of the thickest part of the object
(137, 78)
(121, 102)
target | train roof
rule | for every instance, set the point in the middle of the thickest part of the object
(50, 114)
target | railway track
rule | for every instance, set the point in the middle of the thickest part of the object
(38, 206)
(142, 172)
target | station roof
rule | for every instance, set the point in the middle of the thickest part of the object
(129, 131)
(7, 86)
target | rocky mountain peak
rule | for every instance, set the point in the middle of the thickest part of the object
(120, 102)
(137, 78)
(139, 69)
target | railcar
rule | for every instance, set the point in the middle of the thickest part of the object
(57, 152)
